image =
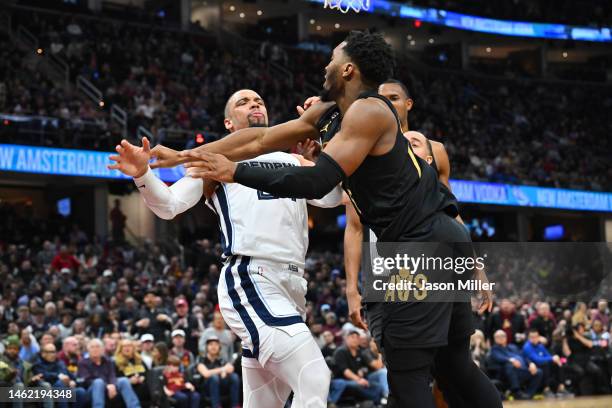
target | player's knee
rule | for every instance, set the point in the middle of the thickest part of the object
(315, 378)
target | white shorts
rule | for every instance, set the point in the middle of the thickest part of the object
(257, 297)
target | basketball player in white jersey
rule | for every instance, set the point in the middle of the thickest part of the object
(261, 289)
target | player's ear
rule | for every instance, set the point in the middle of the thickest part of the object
(429, 159)
(409, 104)
(228, 124)
(347, 70)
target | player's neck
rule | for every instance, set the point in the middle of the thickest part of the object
(350, 95)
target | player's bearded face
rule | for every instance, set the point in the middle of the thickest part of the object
(331, 84)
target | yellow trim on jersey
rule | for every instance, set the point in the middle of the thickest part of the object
(414, 161)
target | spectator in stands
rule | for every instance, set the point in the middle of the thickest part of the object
(515, 370)
(176, 387)
(146, 348)
(581, 316)
(544, 323)
(38, 326)
(128, 363)
(160, 354)
(350, 370)
(588, 375)
(178, 349)
(152, 319)
(65, 259)
(329, 344)
(186, 322)
(508, 320)
(46, 254)
(45, 339)
(52, 372)
(117, 218)
(603, 313)
(226, 337)
(70, 354)
(23, 316)
(65, 325)
(553, 376)
(377, 372)
(11, 366)
(218, 374)
(331, 325)
(98, 377)
(479, 348)
(29, 346)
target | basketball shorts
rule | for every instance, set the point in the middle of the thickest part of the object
(257, 297)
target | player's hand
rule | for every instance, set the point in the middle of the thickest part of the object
(354, 304)
(164, 157)
(307, 104)
(309, 149)
(132, 161)
(486, 296)
(209, 165)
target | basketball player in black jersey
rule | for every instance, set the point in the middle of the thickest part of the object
(396, 194)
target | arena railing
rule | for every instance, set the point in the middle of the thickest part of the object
(26, 37)
(142, 132)
(120, 116)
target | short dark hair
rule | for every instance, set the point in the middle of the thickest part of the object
(401, 85)
(429, 147)
(372, 54)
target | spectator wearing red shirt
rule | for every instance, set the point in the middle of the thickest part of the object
(176, 387)
(64, 259)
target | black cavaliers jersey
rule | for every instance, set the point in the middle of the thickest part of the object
(395, 194)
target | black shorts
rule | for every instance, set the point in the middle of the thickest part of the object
(423, 324)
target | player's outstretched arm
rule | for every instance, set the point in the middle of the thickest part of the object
(251, 142)
(363, 125)
(166, 202)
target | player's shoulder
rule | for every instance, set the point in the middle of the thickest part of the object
(368, 112)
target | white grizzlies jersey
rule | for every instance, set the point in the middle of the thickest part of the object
(258, 225)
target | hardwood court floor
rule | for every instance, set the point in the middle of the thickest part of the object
(586, 402)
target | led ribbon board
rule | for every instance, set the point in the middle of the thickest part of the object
(88, 163)
(488, 25)
(68, 162)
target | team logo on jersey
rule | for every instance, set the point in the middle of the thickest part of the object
(260, 270)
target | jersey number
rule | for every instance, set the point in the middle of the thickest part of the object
(262, 195)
